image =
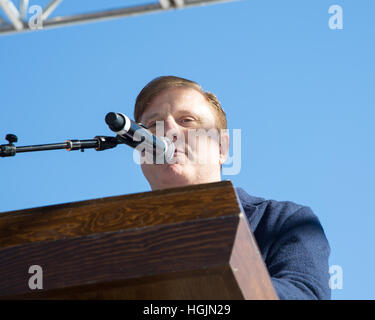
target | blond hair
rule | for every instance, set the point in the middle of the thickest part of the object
(154, 87)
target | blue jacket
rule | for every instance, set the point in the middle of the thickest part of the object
(293, 246)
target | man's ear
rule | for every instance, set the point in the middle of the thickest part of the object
(224, 145)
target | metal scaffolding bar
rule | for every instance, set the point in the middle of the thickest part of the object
(179, 3)
(24, 4)
(50, 8)
(165, 4)
(12, 13)
(109, 14)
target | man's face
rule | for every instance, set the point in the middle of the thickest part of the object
(197, 159)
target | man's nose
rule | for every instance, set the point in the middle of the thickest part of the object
(171, 128)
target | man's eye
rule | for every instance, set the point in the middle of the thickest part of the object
(186, 120)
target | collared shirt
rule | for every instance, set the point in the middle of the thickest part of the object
(293, 245)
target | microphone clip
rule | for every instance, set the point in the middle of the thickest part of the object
(9, 150)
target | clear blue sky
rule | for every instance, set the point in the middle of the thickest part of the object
(302, 94)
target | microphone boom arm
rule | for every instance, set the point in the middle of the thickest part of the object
(99, 143)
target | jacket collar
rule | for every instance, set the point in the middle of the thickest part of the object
(251, 207)
(248, 200)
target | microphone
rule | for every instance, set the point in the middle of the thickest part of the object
(134, 134)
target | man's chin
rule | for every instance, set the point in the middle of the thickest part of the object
(171, 178)
(174, 174)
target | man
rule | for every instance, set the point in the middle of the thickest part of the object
(290, 237)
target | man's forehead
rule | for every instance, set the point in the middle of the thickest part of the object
(177, 100)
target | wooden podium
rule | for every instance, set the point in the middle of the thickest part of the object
(183, 243)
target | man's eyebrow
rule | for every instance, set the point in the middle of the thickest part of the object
(188, 112)
(158, 114)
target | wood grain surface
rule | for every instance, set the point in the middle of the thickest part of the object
(117, 213)
(181, 243)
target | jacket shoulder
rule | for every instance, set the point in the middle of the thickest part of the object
(271, 212)
(293, 245)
